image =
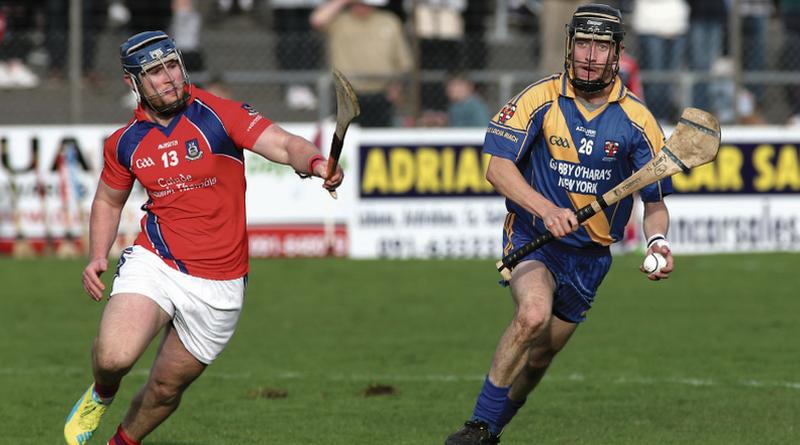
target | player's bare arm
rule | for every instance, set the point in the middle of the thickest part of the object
(278, 145)
(106, 209)
(655, 225)
(176, 265)
(504, 175)
(559, 281)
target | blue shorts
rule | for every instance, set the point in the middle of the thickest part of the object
(578, 272)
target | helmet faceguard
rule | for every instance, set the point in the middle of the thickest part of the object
(594, 22)
(145, 51)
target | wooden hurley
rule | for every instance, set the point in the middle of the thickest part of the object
(695, 141)
(347, 109)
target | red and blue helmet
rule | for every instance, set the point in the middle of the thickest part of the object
(146, 49)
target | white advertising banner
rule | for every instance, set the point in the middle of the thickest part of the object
(408, 193)
(276, 195)
(428, 228)
(422, 194)
(750, 223)
(287, 216)
(48, 176)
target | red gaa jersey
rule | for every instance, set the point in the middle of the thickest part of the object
(193, 171)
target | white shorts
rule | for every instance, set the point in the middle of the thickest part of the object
(204, 312)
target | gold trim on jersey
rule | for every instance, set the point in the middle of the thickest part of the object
(508, 226)
(598, 227)
(539, 82)
(642, 120)
(613, 215)
(558, 137)
(617, 93)
(518, 113)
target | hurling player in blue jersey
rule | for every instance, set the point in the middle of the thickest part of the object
(554, 147)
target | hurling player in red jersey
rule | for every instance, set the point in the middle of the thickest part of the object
(187, 270)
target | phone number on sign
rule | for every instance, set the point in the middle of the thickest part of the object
(448, 247)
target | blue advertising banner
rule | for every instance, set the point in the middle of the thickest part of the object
(746, 168)
(423, 170)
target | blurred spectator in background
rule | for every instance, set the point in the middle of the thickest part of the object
(218, 87)
(755, 25)
(217, 11)
(147, 15)
(297, 48)
(397, 7)
(185, 30)
(368, 46)
(475, 47)
(790, 15)
(523, 15)
(140, 16)
(629, 72)
(396, 94)
(728, 105)
(93, 16)
(625, 6)
(552, 18)
(234, 6)
(661, 26)
(16, 24)
(467, 108)
(439, 26)
(707, 20)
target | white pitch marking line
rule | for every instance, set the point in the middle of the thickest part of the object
(295, 375)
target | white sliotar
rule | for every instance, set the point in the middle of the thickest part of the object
(654, 262)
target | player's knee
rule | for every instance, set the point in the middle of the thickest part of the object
(109, 361)
(530, 324)
(163, 392)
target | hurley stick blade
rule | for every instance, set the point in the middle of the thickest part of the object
(347, 109)
(694, 142)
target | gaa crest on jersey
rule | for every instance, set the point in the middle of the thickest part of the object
(193, 151)
(611, 148)
(507, 112)
(250, 110)
(558, 141)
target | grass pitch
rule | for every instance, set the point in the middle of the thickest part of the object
(394, 352)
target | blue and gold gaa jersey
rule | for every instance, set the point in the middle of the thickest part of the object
(571, 155)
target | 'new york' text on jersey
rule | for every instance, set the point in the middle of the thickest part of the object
(571, 154)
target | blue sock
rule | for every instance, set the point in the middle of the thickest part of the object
(509, 411)
(490, 405)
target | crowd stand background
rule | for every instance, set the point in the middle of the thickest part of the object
(737, 58)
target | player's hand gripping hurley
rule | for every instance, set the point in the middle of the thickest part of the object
(347, 109)
(695, 141)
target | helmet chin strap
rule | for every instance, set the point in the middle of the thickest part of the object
(169, 109)
(587, 85)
